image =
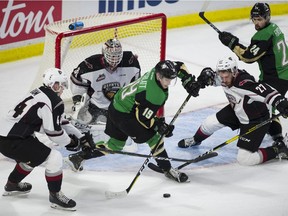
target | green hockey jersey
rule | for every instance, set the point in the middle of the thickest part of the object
(269, 49)
(142, 98)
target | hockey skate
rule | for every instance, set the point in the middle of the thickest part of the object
(60, 201)
(188, 142)
(12, 189)
(281, 146)
(175, 175)
(75, 162)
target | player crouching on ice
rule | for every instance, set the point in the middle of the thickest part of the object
(133, 113)
(250, 104)
(41, 111)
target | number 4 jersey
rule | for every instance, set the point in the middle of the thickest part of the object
(40, 111)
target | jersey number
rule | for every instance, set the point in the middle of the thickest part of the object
(147, 113)
(129, 89)
(282, 46)
(20, 107)
(261, 88)
(254, 49)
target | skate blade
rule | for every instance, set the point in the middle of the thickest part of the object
(70, 164)
(55, 206)
(14, 193)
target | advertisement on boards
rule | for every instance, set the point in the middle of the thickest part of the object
(25, 20)
(121, 5)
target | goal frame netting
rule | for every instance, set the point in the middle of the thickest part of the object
(111, 25)
(63, 35)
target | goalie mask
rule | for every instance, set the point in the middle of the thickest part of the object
(55, 75)
(112, 51)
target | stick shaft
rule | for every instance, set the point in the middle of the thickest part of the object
(201, 14)
(234, 138)
(153, 150)
(141, 155)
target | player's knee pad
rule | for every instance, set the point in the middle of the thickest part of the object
(210, 125)
(247, 158)
(54, 162)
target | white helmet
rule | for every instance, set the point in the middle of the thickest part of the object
(227, 64)
(112, 51)
(54, 75)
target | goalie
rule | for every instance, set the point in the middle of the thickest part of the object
(97, 79)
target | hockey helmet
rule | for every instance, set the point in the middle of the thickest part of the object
(112, 51)
(260, 10)
(227, 64)
(54, 75)
(167, 69)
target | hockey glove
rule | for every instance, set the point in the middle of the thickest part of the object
(85, 142)
(75, 143)
(228, 39)
(282, 107)
(190, 84)
(163, 128)
(206, 77)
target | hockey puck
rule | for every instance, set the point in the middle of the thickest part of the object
(166, 195)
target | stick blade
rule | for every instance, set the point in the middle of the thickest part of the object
(201, 14)
(113, 195)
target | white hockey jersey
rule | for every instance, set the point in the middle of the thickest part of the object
(250, 100)
(42, 110)
(92, 77)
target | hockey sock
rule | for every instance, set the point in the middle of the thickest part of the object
(54, 181)
(116, 144)
(19, 173)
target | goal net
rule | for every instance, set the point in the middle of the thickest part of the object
(142, 33)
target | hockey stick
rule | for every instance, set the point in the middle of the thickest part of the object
(201, 14)
(150, 156)
(110, 194)
(157, 169)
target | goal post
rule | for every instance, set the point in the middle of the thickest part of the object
(142, 33)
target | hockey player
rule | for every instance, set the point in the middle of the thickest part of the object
(133, 113)
(99, 77)
(269, 49)
(249, 102)
(41, 110)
